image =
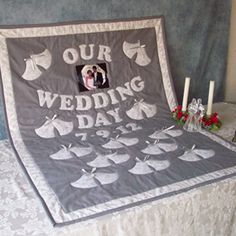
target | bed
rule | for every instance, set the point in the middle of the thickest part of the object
(88, 112)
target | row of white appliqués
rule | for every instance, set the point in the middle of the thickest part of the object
(144, 166)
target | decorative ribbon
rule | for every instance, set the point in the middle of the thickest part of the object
(145, 158)
(51, 119)
(92, 173)
(140, 46)
(65, 147)
(155, 142)
(32, 60)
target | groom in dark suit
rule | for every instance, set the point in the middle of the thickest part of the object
(98, 78)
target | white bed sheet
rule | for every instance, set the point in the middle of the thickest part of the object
(209, 210)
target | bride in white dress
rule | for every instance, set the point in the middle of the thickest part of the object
(89, 80)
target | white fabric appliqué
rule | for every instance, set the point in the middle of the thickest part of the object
(141, 109)
(132, 49)
(196, 154)
(93, 179)
(157, 148)
(65, 152)
(120, 142)
(166, 133)
(147, 166)
(105, 160)
(47, 129)
(32, 70)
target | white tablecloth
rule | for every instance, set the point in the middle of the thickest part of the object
(208, 210)
(227, 113)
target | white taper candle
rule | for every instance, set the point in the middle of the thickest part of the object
(210, 98)
(185, 96)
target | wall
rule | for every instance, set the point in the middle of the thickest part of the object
(230, 89)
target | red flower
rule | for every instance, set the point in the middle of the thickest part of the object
(179, 107)
(185, 117)
(207, 121)
(214, 119)
(179, 115)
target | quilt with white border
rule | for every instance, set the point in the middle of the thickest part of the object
(88, 109)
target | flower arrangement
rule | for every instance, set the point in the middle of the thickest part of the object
(212, 122)
(179, 115)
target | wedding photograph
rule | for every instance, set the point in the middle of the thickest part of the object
(91, 77)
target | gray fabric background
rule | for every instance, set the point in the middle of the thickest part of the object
(61, 78)
(197, 32)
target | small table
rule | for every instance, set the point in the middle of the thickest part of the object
(227, 114)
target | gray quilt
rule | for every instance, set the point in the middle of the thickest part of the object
(88, 113)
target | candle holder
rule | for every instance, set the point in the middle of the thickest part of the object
(194, 119)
